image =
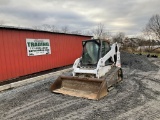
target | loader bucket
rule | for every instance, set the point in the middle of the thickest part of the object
(90, 88)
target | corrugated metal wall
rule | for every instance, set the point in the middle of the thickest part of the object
(14, 61)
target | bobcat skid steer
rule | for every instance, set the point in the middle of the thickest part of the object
(94, 72)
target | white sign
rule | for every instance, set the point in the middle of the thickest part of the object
(38, 47)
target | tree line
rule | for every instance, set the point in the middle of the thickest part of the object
(150, 31)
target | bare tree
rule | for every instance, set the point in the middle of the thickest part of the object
(65, 29)
(100, 32)
(141, 40)
(106, 35)
(148, 34)
(119, 37)
(36, 27)
(153, 26)
(53, 28)
(76, 32)
(46, 27)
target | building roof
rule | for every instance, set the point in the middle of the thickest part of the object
(34, 30)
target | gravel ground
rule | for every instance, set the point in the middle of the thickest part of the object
(139, 62)
(137, 97)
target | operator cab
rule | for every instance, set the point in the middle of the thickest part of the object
(93, 50)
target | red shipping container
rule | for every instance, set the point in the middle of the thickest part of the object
(15, 62)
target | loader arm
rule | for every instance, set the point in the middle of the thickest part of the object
(114, 50)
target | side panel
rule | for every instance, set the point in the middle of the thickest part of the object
(14, 61)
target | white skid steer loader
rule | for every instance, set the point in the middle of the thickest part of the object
(94, 72)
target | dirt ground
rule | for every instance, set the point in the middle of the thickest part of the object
(137, 97)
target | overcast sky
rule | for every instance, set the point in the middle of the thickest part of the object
(128, 16)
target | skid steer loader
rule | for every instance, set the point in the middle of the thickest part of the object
(94, 72)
